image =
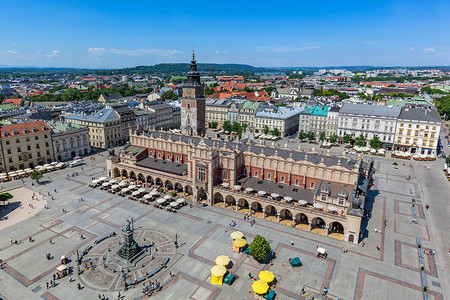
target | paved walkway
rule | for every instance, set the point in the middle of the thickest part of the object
(361, 273)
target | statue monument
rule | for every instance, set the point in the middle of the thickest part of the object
(130, 250)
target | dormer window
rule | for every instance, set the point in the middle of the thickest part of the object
(14, 132)
(34, 129)
(25, 130)
(44, 128)
(5, 133)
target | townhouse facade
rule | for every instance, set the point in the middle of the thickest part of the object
(284, 119)
(69, 141)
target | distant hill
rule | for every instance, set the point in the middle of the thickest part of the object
(180, 68)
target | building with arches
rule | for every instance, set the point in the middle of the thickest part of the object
(321, 193)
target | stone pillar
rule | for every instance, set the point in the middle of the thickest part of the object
(264, 213)
(184, 192)
(224, 202)
(236, 205)
(293, 221)
(278, 217)
(310, 225)
(327, 227)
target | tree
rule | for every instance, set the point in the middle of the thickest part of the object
(375, 143)
(259, 248)
(302, 135)
(322, 136)
(333, 138)
(275, 132)
(360, 141)
(347, 138)
(209, 91)
(167, 94)
(266, 129)
(213, 125)
(249, 89)
(236, 127)
(36, 175)
(311, 136)
(226, 126)
(174, 96)
(5, 197)
(391, 85)
(244, 127)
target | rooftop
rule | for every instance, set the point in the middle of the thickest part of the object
(373, 110)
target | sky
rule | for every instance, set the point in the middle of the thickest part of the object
(116, 34)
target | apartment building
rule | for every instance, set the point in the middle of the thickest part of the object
(285, 119)
(25, 145)
(69, 141)
(217, 111)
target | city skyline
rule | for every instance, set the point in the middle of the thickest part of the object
(300, 34)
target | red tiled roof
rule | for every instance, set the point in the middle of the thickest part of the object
(13, 101)
(21, 129)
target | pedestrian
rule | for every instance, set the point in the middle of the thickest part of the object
(118, 297)
(47, 285)
(50, 241)
(250, 275)
(79, 286)
(292, 243)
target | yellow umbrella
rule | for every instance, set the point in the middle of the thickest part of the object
(267, 276)
(239, 243)
(218, 271)
(222, 260)
(237, 235)
(260, 287)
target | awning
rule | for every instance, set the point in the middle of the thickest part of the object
(302, 202)
(148, 196)
(275, 195)
(225, 184)
(249, 190)
(288, 198)
(332, 208)
(161, 200)
(237, 187)
(318, 205)
(262, 192)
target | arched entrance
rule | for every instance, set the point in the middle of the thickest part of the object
(271, 213)
(141, 178)
(116, 172)
(318, 226)
(230, 202)
(301, 221)
(257, 209)
(178, 189)
(243, 206)
(336, 231)
(150, 180)
(124, 174)
(188, 192)
(201, 195)
(73, 154)
(286, 217)
(159, 182)
(218, 199)
(168, 184)
(132, 175)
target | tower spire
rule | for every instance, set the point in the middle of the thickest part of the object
(193, 53)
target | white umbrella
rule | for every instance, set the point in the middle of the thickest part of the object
(154, 193)
(141, 190)
(237, 187)
(262, 192)
(95, 181)
(373, 151)
(333, 208)
(106, 184)
(167, 196)
(123, 183)
(60, 165)
(2, 177)
(20, 172)
(147, 196)
(112, 181)
(225, 184)
(181, 200)
(14, 173)
(249, 190)
(318, 205)
(49, 168)
(135, 193)
(174, 203)
(275, 195)
(125, 190)
(46, 165)
(302, 202)
(102, 178)
(54, 163)
(115, 187)
(288, 198)
(161, 200)
(132, 187)
(2, 174)
(28, 170)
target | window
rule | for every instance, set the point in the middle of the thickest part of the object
(269, 176)
(46, 144)
(224, 174)
(256, 173)
(188, 106)
(36, 137)
(38, 154)
(408, 132)
(10, 159)
(296, 181)
(324, 197)
(312, 185)
(18, 149)
(417, 126)
(282, 179)
(159, 155)
(37, 146)
(177, 158)
(434, 128)
(48, 152)
(432, 134)
(7, 142)
(28, 147)
(28, 139)
(202, 173)
(17, 141)
(30, 155)
(409, 125)
(427, 127)
(401, 124)
(46, 136)
(20, 157)
(341, 201)
(8, 151)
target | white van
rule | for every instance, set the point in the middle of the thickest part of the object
(76, 163)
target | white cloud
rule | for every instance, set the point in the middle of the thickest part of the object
(412, 49)
(96, 51)
(12, 52)
(220, 52)
(53, 53)
(132, 52)
(429, 50)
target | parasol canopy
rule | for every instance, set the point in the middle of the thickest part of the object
(260, 287)
(267, 276)
(102, 178)
(181, 200)
(167, 196)
(218, 271)
(274, 195)
(262, 193)
(332, 208)
(147, 196)
(161, 200)
(222, 260)
(249, 190)
(237, 235)
(239, 243)
(302, 202)
(318, 205)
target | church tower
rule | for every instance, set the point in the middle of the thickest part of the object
(193, 102)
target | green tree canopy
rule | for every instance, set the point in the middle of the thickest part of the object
(209, 91)
(275, 132)
(360, 141)
(226, 126)
(311, 136)
(259, 248)
(375, 143)
(266, 129)
(5, 197)
(322, 136)
(36, 175)
(167, 94)
(333, 138)
(347, 138)
(302, 135)
(213, 125)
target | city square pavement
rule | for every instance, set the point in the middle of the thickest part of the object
(203, 233)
